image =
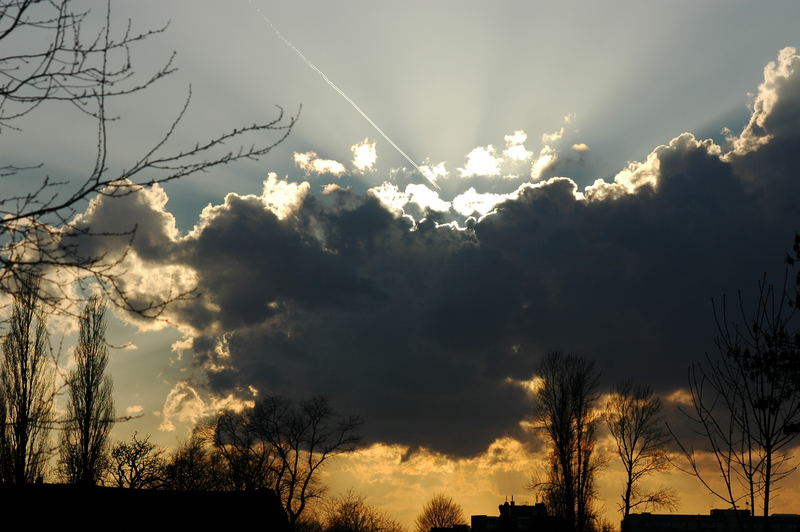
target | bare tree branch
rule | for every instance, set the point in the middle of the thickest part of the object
(633, 416)
(564, 409)
(87, 69)
(746, 400)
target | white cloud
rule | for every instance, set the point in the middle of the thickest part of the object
(364, 155)
(647, 173)
(555, 136)
(390, 196)
(482, 203)
(311, 164)
(515, 146)
(638, 174)
(433, 173)
(426, 198)
(185, 405)
(549, 138)
(148, 284)
(580, 147)
(602, 190)
(776, 76)
(517, 137)
(134, 410)
(395, 200)
(283, 197)
(330, 188)
(518, 152)
(547, 158)
(481, 161)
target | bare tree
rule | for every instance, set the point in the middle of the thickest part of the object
(350, 512)
(303, 436)
(196, 466)
(51, 56)
(746, 400)
(90, 407)
(137, 464)
(251, 462)
(26, 391)
(440, 511)
(633, 416)
(564, 408)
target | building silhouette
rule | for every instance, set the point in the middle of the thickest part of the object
(517, 518)
(715, 521)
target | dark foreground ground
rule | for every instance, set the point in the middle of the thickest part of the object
(98, 508)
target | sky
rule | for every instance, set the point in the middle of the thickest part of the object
(592, 176)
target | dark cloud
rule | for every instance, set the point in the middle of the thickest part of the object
(422, 328)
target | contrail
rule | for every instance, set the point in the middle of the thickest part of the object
(332, 85)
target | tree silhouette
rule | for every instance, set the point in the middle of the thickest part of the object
(440, 511)
(633, 416)
(303, 437)
(56, 55)
(90, 407)
(26, 391)
(564, 410)
(251, 462)
(746, 400)
(350, 512)
(137, 464)
(193, 466)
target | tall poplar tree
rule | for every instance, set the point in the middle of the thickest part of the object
(90, 407)
(26, 389)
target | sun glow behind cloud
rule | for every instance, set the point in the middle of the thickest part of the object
(364, 155)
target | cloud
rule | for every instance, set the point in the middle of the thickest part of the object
(546, 159)
(364, 155)
(515, 146)
(580, 147)
(549, 138)
(434, 172)
(134, 410)
(313, 165)
(330, 188)
(484, 161)
(404, 479)
(184, 404)
(281, 196)
(555, 136)
(426, 198)
(413, 322)
(472, 202)
(776, 98)
(391, 197)
(421, 196)
(481, 161)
